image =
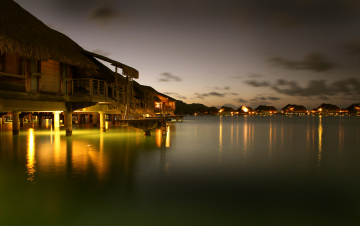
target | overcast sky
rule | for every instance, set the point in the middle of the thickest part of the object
(233, 52)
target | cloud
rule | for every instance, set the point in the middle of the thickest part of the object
(274, 98)
(216, 94)
(292, 14)
(176, 95)
(313, 61)
(103, 14)
(223, 88)
(241, 100)
(203, 95)
(256, 83)
(319, 88)
(101, 52)
(235, 94)
(167, 77)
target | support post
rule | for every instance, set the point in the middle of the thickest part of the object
(68, 114)
(15, 122)
(102, 122)
(95, 119)
(113, 119)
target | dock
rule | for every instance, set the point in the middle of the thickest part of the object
(146, 124)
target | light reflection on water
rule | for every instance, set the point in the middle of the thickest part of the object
(208, 170)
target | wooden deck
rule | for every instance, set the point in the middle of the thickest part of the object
(146, 124)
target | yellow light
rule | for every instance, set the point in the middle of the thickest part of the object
(245, 109)
(31, 156)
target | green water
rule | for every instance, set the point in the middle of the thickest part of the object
(205, 171)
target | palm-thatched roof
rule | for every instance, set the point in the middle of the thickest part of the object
(23, 34)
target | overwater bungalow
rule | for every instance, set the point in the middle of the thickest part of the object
(44, 73)
(265, 110)
(226, 111)
(354, 109)
(293, 109)
(245, 111)
(327, 109)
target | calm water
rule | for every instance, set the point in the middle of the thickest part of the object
(205, 171)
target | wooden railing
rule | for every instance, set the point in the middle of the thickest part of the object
(97, 88)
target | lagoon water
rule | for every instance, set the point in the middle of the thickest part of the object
(205, 171)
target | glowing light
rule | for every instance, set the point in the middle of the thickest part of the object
(244, 109)
(31, 156)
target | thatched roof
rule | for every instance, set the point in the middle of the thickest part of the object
(23, 34)
(128, 71)
(265, 108)
(294, 107)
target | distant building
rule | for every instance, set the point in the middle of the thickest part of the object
(265, 110)
(293, 109)
(224, 110)
(327, 109)
(243, 110)
(354, 109)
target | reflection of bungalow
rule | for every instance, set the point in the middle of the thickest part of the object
(293, 109)
(224, 110)
(327, 109)
(245, 110)
(265, 110)
(354, 109)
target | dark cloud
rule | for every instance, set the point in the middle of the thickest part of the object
(203, 95)
(241, 100)
(222, 88)
(167, 77)
(234, 94)
(103, 14)
(101, 52)
(289, 14)
(319, 88)
(313, 61)
(256, 83)
(274, 98)
(216, 94)
(178, 96)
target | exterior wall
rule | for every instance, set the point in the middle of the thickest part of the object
(11, 73)
(50, 80)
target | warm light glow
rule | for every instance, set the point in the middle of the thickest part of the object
(157, 104)
(320, 109)
(221, 110)
(244, 109)
(167, 141)
(320, 131)
(31, 156)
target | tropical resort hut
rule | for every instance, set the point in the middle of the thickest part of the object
(213, 111)
(327, 109)
(293, 109)
(44, 71)
(265, 110)
(226, 111)
(166, 106)
(245, 111)
(354, 109)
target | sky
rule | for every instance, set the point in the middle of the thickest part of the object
(228, 52)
